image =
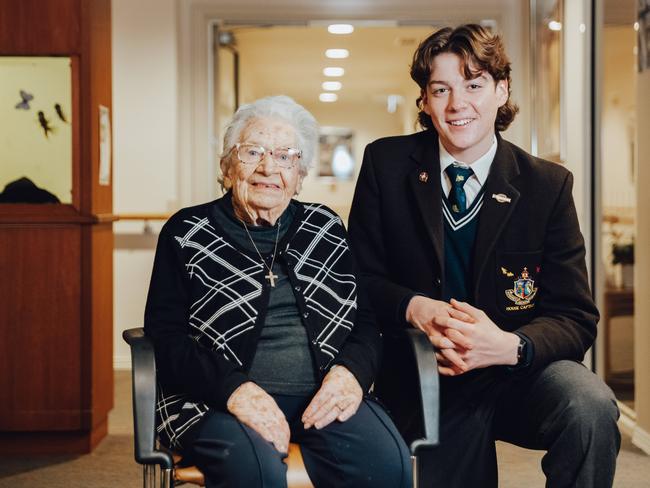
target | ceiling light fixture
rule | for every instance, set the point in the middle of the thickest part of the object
(340, 28)
(337, 53)
(332, 85)
(328, 97)
(333, 71)
(554, 25)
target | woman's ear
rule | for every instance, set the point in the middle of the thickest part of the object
(224, 164)
(299, 185)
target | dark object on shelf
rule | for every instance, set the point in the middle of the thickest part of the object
(623, 253)
(23, 190)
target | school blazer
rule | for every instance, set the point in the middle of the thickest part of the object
(528, 269)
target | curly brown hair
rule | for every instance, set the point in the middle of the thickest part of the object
(479, 51)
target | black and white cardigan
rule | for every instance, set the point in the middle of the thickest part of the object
(207, 304)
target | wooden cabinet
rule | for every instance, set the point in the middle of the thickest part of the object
(56, 276)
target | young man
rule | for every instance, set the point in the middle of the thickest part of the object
(476, 242)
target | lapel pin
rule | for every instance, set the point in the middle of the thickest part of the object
(501, 198)
(424, 177)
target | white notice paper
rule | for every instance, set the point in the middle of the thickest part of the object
(104, 146)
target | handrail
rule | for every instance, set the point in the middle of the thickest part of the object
(143, 216)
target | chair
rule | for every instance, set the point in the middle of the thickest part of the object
(150, 454)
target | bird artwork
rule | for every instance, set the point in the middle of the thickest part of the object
(59, 112)
(25, 99)
(44, 123)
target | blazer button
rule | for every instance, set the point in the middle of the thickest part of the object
(437, 281)
(305, 315)
(297, 288)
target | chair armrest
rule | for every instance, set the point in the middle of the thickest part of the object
(429, 389)
(143, 366)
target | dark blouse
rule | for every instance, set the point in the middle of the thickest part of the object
(283, 363)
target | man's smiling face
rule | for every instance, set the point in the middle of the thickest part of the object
(463, 111)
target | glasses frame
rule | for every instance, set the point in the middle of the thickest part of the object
(291, 150)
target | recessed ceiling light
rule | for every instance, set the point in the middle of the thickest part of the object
(340, 29)
(333, 71)
(554, 25)
(332, 85)
(337, 53)
(328, 97)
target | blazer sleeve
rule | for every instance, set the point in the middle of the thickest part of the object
(368, 243)
(183, 364)
(565, 324)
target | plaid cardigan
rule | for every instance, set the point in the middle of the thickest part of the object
(207, 304)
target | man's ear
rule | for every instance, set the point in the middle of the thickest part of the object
(423, 102)
(502, 92)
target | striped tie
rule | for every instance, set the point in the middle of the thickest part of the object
(458, 176)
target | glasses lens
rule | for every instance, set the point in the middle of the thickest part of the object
(285, 158)
(250, 154)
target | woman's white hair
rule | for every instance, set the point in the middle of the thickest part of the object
(281, 107)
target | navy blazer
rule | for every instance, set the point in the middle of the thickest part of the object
(528, 268)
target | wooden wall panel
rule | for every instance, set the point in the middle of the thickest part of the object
(37, 27)
(56, 275)
(98, 311)
(40, 327)
(96, 75)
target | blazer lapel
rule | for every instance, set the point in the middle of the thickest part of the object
(425, 183)
(496, 207)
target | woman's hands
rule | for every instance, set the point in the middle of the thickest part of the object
(257, 409)
(338, 398)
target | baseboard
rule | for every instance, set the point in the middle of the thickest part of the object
(627, 420)
(121, 362)
(641, 439)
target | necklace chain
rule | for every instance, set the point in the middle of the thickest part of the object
(270, 276)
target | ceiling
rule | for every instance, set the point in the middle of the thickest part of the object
(291, 59)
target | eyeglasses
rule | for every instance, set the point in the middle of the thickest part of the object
(285, 157)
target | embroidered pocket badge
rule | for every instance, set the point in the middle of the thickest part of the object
(522, 292)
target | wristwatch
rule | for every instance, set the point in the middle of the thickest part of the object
(522, 350)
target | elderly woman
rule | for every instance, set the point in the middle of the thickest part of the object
(260, 330)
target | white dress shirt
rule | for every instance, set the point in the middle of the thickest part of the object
(480, 167)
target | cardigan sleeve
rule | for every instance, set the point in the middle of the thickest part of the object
(361, 351)
(183, 364)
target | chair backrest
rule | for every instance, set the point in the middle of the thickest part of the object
(144, 400)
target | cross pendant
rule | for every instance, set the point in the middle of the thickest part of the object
(271, 277)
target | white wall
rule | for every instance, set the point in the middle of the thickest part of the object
(144, 143)
(618, 116)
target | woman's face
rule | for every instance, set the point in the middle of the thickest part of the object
(261, 192)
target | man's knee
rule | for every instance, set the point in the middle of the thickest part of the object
(587, 403)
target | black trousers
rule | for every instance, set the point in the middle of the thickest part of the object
(364, 451)
(565, 410)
